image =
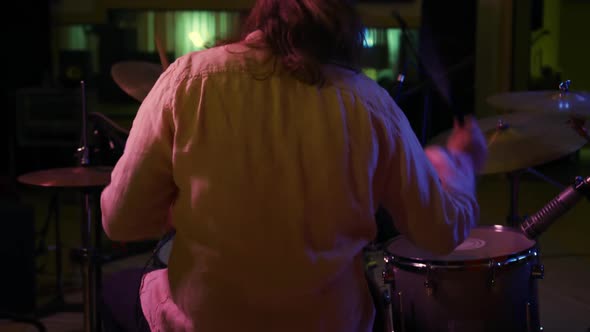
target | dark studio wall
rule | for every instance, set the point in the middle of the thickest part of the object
(26, 62)
(574, 49)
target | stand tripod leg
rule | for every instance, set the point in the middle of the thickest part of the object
(87, 257)
(58, 252)
(90, 265)
(97, 285)
(85, 263)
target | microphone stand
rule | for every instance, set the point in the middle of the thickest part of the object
(536, 224)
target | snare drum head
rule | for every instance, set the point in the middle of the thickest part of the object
(483, 243)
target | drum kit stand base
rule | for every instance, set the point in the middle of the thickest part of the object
(489, 283)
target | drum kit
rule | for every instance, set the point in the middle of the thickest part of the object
(488, 283)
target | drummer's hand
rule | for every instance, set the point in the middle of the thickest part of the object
(468, 139)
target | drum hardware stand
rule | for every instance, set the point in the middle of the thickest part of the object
(429, 283)
(538, 271)
(529, 320)
(492, 279)
(402, 319)
(388, 309)
(388, 280)
(529, 324)
(513, 219)
(87, 255)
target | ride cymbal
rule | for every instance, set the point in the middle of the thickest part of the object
(136, 78)
(69, 177)
(523, 140)
(550, 101)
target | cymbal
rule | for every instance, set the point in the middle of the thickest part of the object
(136, 78)
(72, 177)
(555, 101)
(522, 140)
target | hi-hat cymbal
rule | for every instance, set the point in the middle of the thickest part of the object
(554, 101)
(522, 140)
(136, 78)
(72, 177)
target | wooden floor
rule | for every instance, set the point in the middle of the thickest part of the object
(564, 293)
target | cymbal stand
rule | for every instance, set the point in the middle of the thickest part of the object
(58, 251)
(91, 272)
(545, 178)
(87, 254)
(514, 178)
(83, 150)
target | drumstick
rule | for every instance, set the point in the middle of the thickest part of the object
(578, 123)
(162, 53)
(440, 81)
(430, 63)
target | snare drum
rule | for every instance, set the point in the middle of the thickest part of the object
(488, 283)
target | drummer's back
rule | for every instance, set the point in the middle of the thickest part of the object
(275, 202)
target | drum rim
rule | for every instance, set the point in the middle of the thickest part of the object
(470, 264)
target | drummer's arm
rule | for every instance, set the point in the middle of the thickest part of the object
(136, 204)
(431, 196)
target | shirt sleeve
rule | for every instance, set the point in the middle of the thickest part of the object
(136, 203)
(429, 193)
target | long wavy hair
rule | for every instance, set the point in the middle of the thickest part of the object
(306, 34)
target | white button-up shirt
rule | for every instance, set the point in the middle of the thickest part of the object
(272, 185)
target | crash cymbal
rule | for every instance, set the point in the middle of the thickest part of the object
(136, 78)
(553, 101)
(522, 140)
(72, 177)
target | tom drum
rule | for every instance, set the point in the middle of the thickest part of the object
(488, 283)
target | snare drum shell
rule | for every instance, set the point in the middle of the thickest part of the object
(465, 296)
